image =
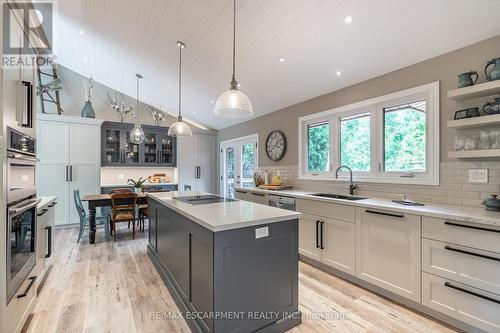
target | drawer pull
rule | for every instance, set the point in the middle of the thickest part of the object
(386, 214)
(321, 236)
(447, 247)
(52, 204)
(491, 299)
(317, 234)
(32, 281)
(242, 192)
(42, 212)
(259, 194)
(470, 227)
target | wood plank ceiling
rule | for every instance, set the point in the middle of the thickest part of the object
(114, 39)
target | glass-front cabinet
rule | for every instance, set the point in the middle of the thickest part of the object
(158, 149)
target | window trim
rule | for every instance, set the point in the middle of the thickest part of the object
(429, 92)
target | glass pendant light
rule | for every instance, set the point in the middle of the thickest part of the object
(233, 103)
(180, 128)
(137, 135)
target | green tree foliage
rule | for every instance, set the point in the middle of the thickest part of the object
(405, 140)
(318, 147)
(355, 143)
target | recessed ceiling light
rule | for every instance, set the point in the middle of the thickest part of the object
(82, 32)
(338, 73)
(212, 101)
(195, 112)
(348, 19)
(282, 59)
(84, 59)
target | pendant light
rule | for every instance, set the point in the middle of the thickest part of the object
(233, 103)
(180, 128)
(137, 134)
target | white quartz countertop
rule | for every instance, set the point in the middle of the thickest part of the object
(44, 202)
(224, 215)
(457, 213)
(145, 184)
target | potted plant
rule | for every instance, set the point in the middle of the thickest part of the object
(137, 184)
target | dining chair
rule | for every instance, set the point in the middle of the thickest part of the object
(119, 190)
(123, 207)
(82, 214)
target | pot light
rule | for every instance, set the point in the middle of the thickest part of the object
(338, 73)
(282, 59)
(348, 19)
(195, 112)
(82, 32)
(212, 101)
(84, 59)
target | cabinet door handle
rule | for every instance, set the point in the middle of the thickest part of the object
(321, 240)
(32, 281)
(447, 247)
(67, 173)
(470, 227)
(317, 234)
(49, 241)
(45, 210)
(386, 214)
(242, 192)
(199, 172)
(70, 173)
(52, 204)
(259, 194)
(491, 299)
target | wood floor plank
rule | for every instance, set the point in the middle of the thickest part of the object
(113, 287)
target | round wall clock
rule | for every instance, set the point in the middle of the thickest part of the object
(276, 145)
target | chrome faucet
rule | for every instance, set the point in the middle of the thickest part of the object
(352, 187)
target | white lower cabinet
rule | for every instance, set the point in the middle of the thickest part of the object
(473, 306)
(329, 241)
(257, 197)
(388, 251)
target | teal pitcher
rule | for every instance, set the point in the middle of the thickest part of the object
(465, 79)
(494, 74)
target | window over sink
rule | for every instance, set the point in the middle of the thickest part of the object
(392, 139)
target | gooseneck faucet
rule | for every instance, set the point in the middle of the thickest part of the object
(352, 187)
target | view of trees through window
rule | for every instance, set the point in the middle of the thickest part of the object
(355, 142)
(318, 147)
(247, 164)
(405, 137)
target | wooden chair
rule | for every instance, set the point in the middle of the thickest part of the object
(123, 207)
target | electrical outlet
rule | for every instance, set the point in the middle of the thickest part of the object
(121, 176)
(261, 232)
(478, 176)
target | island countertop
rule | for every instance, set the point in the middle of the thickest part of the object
(223, 215)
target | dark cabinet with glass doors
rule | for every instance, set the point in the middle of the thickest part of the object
(158, 149)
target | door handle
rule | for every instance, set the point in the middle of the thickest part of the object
(70, 173)
(67, 173)
(32, 281)
(321, 239)
(386, 214)
(49, 241)
(317, 234)
(199, 172)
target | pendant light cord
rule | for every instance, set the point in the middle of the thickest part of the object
(139, 76)
(234, 83)
(180, 77)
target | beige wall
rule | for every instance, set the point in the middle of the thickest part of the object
(443, 68)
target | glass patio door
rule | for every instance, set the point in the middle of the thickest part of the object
(238, 164)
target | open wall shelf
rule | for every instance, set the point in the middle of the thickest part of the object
(474, 122)
(475, 91)
(474, 153)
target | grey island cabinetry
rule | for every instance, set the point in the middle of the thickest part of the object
(231, 266)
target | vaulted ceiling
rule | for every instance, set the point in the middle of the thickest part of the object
(114, 39)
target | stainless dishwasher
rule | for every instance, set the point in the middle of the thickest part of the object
(281, 202)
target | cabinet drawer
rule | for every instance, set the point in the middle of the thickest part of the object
(18, 308)
(474, 267)
(470, 305)
(242, 195)
(326, 209)
(479, 236)
(260, 198)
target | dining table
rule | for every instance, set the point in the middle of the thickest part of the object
(103, 200)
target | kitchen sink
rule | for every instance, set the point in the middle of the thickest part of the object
(338, 196)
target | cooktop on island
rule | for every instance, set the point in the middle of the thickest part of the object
(203, 199)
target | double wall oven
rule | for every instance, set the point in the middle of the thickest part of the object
(21, 210)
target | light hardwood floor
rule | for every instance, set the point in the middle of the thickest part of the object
(113, 287)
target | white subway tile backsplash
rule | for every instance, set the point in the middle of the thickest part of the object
(454, 188)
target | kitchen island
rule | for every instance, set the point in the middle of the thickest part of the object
(231, 266)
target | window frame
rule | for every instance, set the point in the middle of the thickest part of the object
(375, 106)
